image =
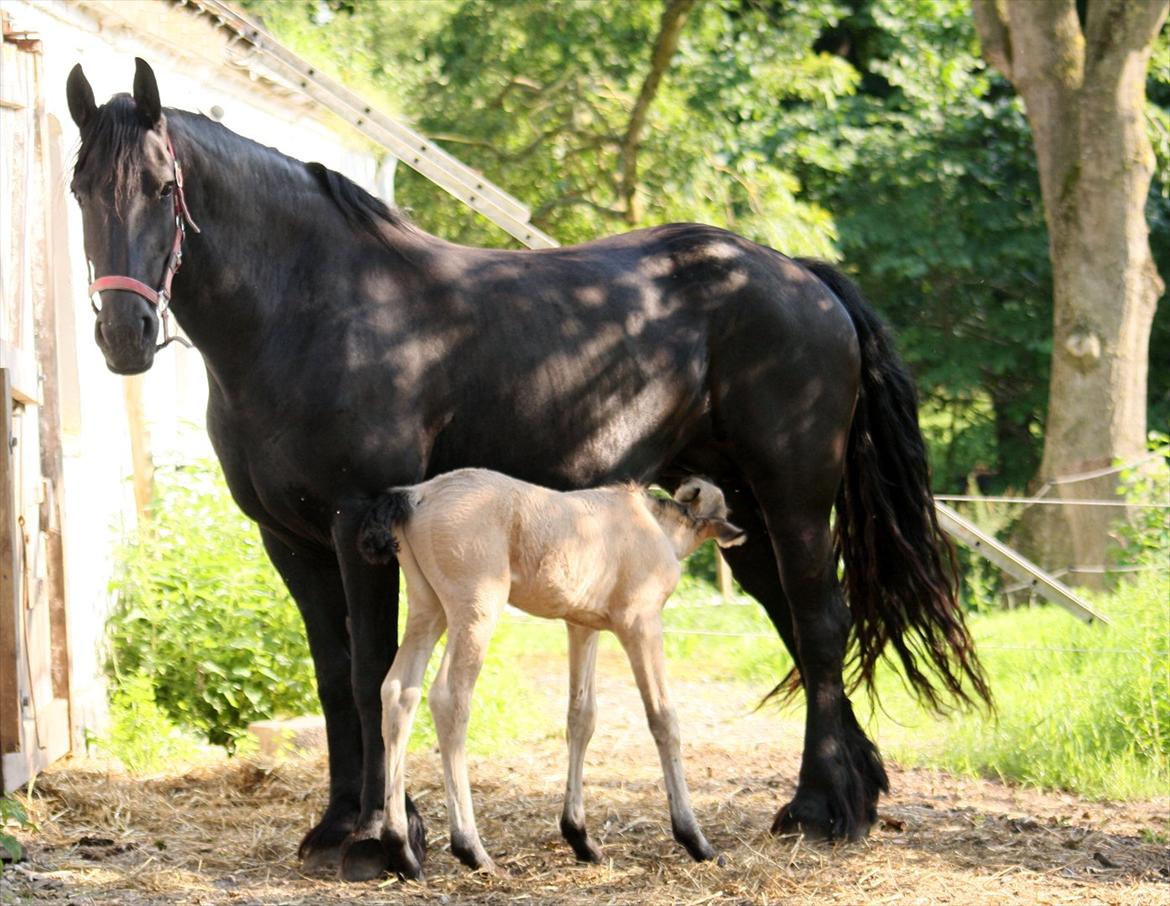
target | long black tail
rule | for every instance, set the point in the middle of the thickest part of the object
(375, 540)
(901, 578)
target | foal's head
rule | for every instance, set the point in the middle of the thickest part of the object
(697, 512)
(125, 182)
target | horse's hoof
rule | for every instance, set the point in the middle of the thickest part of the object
(814, 816)
(471, 853)
(402, 857)
(320, 849)
(324, 860)
(584, 848)
(364, 860)
(416, 832)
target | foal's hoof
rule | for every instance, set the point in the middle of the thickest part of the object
(363, 860)
(404, 860)
(583, 846)
(471, 853)
(700, 849)
(696, 844)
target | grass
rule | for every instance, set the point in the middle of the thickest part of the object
(1083, 708)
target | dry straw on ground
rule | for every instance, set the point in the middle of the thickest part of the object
(226, 832)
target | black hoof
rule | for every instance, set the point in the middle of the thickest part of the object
(583, 845)
(363, 860)
(470, 855)
(320, 850)
(695, 843)
(402, 857)
(818, 817)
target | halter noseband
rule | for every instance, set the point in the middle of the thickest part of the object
(160, 298)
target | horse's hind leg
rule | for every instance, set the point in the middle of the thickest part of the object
(642, 640)
(581, 721)
(788, 429)
(754, 566)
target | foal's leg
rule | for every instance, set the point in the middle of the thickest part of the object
(470, 626)
(401, 691)
(582, 719)
(642, 640)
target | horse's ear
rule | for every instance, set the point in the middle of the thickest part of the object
(728, 535)
(146, 93)
(80, 96)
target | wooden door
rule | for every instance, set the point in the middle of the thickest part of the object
(34, 655)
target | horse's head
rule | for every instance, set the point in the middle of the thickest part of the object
(130, 191)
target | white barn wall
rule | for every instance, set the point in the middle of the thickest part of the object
(98, 501)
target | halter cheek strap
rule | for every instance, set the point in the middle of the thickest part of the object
(160, 298)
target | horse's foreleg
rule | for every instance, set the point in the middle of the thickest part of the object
(470, 626)
(642, 640)
(581, 721)
(371, 595)
(315, 585)
(401, 692)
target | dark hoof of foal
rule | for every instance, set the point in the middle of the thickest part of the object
(695, 843)
(583, 846)
(700, 849)
(363, 860)
(404, 859)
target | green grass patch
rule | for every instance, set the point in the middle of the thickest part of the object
(1084, 708)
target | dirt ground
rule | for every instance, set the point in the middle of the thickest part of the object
(226, 832)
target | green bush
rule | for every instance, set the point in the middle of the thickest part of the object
(202, 614)
(12, 814)
(141, 735)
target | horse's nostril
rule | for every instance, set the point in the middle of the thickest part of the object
(147, 327)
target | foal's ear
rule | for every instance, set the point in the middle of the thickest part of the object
(80, 97)
(146, 93)
(728, 535)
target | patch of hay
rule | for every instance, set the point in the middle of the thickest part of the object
(226, 831)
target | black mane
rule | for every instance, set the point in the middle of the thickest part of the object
(111, 154)
(361, 209)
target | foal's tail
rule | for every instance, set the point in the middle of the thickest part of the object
(375, 540)
(901, 579)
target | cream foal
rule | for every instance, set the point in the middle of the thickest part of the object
(472, 540)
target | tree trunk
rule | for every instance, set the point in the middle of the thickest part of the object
(1084, 91)
(674, 17)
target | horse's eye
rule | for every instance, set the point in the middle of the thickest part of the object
(167, 190)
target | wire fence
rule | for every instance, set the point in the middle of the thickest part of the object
(723, 603)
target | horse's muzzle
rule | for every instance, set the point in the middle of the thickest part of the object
(126, 331)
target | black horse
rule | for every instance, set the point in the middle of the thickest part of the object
(348, 351)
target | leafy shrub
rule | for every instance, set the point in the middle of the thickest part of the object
(141, 735)
(201, 612)
(12, 814)
(1145, 534)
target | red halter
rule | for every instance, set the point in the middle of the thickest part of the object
(160, 298)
